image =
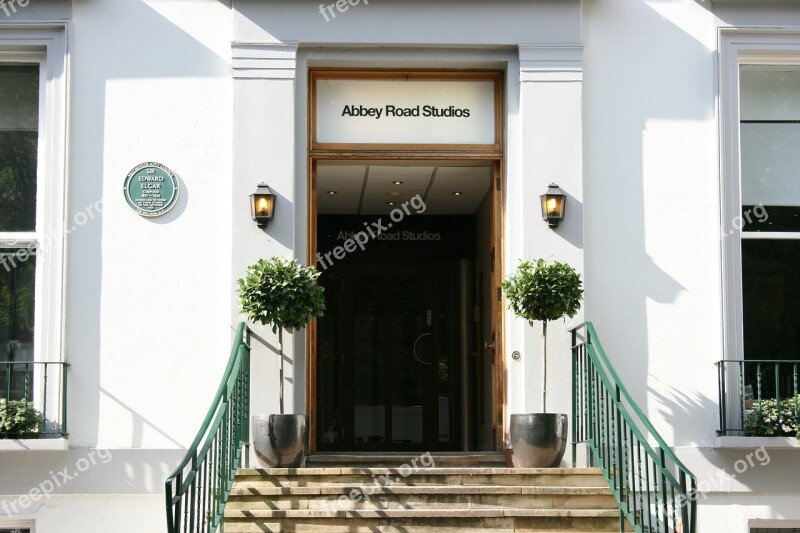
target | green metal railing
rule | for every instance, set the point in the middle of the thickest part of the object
(654, 490)
(746, 387)
(35, 385)
(198, 489)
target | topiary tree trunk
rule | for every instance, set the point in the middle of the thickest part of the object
(280, 354)
(544, 366)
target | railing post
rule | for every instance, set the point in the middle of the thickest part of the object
(662, 466)
(618, 444)
(44, 400)
(794, 389)
(723, 400)
(64, 368)
(684, 501)
(247, 398)
(574, 398)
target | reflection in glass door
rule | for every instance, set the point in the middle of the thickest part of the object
(388, 353)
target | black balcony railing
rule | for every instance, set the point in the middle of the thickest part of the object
(33, 399)
(758, 397)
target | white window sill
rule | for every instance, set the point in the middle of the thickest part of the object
(28, 445)
(756, 442)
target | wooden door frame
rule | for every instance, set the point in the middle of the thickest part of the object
(493, 154)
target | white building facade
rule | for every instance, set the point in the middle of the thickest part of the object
(668, 124)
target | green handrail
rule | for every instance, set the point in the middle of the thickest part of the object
(198, 489)
(654, 489)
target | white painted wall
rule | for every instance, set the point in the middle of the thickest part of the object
(651, 206)
(122, 513)
(148, 299)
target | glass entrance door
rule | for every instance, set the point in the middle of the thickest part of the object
(388, 349)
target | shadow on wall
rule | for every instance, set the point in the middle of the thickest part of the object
(678, 406)
(634, 92)
(139, 423)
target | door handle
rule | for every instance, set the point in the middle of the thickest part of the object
(488, 346)
(414, 349)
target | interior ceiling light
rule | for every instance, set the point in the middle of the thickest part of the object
(397, 182)
(457, 193)
(390, 203)
(332, 192)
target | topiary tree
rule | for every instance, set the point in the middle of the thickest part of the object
(283, 294)
(544, 291)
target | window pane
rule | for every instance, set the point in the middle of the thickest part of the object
(770, 163)
(771, 218)
(771, 306)
(19, 134)
(769, 92)
(769, 136)
(17, 276)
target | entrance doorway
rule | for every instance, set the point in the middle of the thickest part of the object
(405, 224)
(404, 356)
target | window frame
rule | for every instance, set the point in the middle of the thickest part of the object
(18, 524)
(737, 47)
(45, 44)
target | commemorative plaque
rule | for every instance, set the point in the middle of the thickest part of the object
(151, 189)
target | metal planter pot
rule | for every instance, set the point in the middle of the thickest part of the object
(539, 439)
(280, 440)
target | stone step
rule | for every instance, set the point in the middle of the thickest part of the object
(398, 459)
(313, 477)
(447, 499)
(423, 520)
(344, 497)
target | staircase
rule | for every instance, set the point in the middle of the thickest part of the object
(454, 492)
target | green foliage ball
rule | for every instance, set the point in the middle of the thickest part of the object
(282, 293)
(544, 290)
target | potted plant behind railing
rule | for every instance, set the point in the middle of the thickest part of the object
(286, 296)
(19, 419)
(543, 291)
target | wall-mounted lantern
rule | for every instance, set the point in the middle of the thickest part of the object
(262, 204)
(553, 203)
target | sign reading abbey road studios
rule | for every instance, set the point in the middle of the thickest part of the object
(358, 111)
(151, 189)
